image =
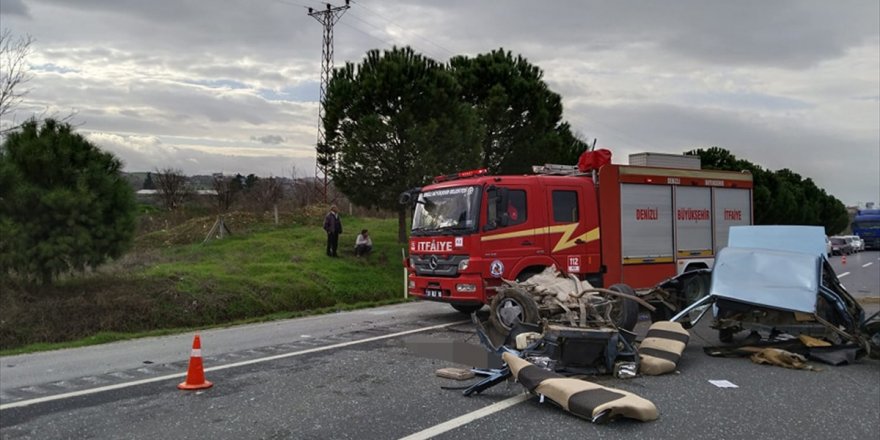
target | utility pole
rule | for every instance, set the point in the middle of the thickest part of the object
(327, 17)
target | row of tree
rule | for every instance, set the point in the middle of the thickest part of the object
(781, 197)
(398, 118)
(265, 191)
(173, 188)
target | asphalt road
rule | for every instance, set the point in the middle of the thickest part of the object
(861, 273)
(349, 375)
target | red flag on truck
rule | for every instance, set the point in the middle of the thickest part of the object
(593, 160)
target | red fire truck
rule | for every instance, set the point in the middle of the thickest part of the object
(619, 224)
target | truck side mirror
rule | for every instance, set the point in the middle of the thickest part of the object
(491, 208)
(501, 202)
(408, 197)
(496, 205)
(503, 219)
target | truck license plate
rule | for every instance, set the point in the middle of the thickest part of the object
(433, 293)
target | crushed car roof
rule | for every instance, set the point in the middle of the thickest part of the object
(771, 266)
(806, 239)
(767, 278)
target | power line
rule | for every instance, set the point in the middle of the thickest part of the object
(396, 42)
(291, 3)
(390, 43)
(372, 11)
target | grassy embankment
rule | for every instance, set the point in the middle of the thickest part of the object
(170, 282)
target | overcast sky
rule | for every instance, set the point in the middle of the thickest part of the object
(232, 85)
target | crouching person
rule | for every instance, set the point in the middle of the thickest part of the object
(363, 244)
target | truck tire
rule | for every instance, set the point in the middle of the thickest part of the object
(625, 313)
(511, 306)
(694, 288)
(467, 309)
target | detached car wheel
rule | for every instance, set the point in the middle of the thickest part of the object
(510, 307)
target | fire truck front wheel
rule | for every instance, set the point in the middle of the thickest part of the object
(512, 306)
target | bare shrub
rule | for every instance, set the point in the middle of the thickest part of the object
(172, 186)
(226, 191)
(267, 192)
(14, 73)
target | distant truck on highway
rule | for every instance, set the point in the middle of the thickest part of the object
(866, 225)
(634, 225)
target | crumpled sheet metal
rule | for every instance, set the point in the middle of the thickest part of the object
(579, 397)
(661, 349)
(767, 278)
(803, 239)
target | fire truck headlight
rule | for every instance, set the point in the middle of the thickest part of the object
(463, 264)
(412, 284)
(466, 287)
(412, 262)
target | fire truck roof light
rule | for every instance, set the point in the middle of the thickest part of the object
(461, 175)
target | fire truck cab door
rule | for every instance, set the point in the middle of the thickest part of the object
(509, 231)
(569, 233)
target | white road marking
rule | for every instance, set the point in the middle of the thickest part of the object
(843, 275)
(467, 418)
(30, 402)
(868, 264)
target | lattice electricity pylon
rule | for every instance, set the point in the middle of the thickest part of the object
(327, 17)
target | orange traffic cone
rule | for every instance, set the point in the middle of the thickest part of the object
(843, 259)
(195, 374)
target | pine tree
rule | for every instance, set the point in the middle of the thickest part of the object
(63, 203)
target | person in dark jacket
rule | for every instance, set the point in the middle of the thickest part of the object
(333, 226)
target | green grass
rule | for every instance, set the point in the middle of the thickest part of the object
(287, 267)
(261, 272)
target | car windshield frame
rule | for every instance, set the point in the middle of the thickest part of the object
(447, 211)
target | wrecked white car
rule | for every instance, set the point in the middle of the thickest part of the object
(776, 280)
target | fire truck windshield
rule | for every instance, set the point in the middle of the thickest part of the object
(447, 211)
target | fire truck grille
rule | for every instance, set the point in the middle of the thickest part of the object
(437, 265)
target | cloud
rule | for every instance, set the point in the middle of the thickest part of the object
(269, 139)
(50, 67)
(308, 91)
(785, 33)
(14, 7)
(185, 81)
(744, 100)
(145, 153)
(771, 142)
